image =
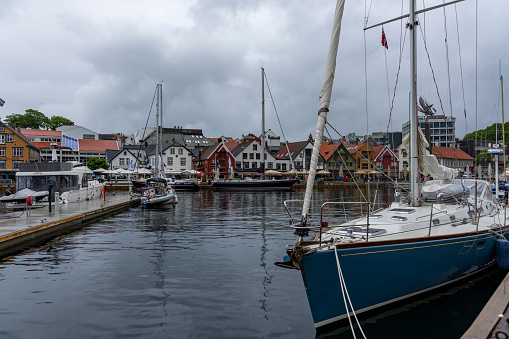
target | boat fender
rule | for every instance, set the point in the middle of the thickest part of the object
(503, 254)
(149, 197)
(504, 335)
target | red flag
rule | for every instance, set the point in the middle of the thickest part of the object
(384, 39)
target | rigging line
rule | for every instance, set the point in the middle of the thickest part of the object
(433, 73)
(343, 160)
(397, 79)
(369, 11)
(461, 69)
(146, 124)
(279, 121)
(364, 158)
(475, 74)
(447, 60)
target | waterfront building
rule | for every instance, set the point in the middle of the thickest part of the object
(15, 148)
(442, 129)
(298, 153)
(386, 161)
(453, 158)
(213, 158)
(363, 155)
(190, 138)
(175, 157)
(337, 158)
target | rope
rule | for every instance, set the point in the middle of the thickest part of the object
(432, 72)
(279, 121)
(344, 292)
(461, 69)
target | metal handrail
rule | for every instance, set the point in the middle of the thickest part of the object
(361, 203)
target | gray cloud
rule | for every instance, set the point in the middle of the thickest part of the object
(97, 63)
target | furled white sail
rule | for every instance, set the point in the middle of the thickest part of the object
(325, 96)
(428, 163)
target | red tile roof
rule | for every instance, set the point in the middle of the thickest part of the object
(445, 152)
(39, 132)
(40, 144)
(97, 145)
(327, 150)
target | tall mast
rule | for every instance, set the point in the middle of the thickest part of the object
(503, 120)
(157, 129)
(414, 153)
(263, 126)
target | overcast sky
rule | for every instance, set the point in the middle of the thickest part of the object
(97, 63)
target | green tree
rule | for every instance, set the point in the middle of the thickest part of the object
(57, 121)
(95, 163)
(483, 157)
(36, 120)
(16, 120)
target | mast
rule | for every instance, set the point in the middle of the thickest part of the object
(157, 130)
(325, 96)
(414, 165)
(263, 126)
(503, 120)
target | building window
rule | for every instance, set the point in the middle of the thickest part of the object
(89, 136)
(269, 165)
(2, 164)
(121, 161)
(2, 139)
(2, 151)
(244, 156)
(181, 151)
(15, 164)
(251, 155)
(283, 167)
(238, 164)
(182, 161)
(2, 129)
(169, 161)
(278, 166)
(246, 165)
(254, 165)
(17, 151)
(10, 137)
(257, 156)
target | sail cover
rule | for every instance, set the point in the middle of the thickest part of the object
(428, 163)
(325, 95)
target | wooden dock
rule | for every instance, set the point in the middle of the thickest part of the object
(493, 321)
(21, 229)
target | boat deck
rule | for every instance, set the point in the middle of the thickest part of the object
(20, 228)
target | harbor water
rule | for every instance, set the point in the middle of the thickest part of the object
(203, 268)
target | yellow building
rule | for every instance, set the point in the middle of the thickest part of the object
(15, 148)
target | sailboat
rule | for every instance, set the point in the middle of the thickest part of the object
(156, 191)
(256, 184)
(445, 231)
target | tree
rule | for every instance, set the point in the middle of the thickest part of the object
(35, 119)
(57, 121)
(16, 120)
(483, 157)
(95, 163)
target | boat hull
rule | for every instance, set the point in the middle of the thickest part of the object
(254, 184)
(379, 275)
(158, 201)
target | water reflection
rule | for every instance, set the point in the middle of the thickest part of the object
(201, 268)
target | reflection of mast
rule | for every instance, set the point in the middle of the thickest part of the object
(267, 279)
(159, 267)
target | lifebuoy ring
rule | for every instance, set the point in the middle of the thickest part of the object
(30, 200)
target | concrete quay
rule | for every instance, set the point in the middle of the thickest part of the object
(22, 228)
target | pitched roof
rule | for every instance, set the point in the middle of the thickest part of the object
(327, 149)
(20, 135)
(354, 148)
(295, 148)
(86, 145)
(449, 153)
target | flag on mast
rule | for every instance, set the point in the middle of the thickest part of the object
(384, 39)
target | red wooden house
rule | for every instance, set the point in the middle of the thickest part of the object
(215, 156)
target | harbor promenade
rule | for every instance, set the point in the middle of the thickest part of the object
(25, 227)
